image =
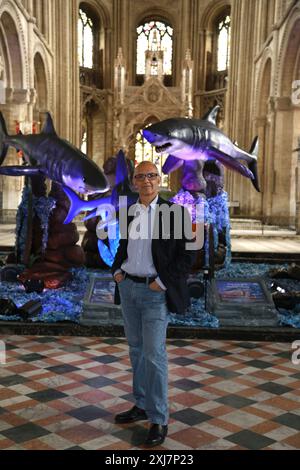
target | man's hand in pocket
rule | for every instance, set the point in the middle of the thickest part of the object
(118, 277)
(156, 287)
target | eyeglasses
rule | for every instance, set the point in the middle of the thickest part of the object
(142, 176)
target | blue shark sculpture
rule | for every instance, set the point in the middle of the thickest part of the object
(55, 158)
(108, 252)
(199, 139)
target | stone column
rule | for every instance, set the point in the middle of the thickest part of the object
(263, 19)
(239, 94)
(45, 19)
(29, 7)
(121, 36)
(67, 110)
(182, 38)
(14, 109)
(298, 193)
(283, 200)
(39, 14)
(296, 156)
(186, 29)
(108, 61)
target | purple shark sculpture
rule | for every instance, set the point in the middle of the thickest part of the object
(55, 158)
(200, 139)
(98, 206)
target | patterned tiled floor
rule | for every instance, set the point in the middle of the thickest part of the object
(63, 392)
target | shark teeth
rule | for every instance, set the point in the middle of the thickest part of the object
(162, 148)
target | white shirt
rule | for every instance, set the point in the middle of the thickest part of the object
(139, 260)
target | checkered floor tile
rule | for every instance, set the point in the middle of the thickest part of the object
(63, 392)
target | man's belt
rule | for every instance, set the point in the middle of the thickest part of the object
(145, 280)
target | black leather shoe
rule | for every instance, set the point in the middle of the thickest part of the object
(156, 435)
(132, 415)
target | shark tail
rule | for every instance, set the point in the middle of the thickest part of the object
(75, 204)
(253, 164)
(3, 136)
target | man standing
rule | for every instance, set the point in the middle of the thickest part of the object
(150, 271)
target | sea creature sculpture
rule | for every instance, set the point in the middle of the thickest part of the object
(100, 206)
(200, 139)
(55, 158)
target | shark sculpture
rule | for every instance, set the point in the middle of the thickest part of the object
(99, 206)
(200, 139)
(107, 208)
(55, 158)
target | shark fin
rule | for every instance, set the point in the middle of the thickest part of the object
(211, 115)
(48, 127)
(230, 162)
(3, 135)
(171, 164)
(20, 170)
(254, 147)
(253, 164)
(75, 204)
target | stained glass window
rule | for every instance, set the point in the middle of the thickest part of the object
(223, 44)
(154, 35)
(85, 40)
(144, 151)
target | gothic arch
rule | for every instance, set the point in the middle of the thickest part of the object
(16, 44)
(287, 115)
(134, 126)
(5, 62)
(102, 45)
(211, 12)
(288, 54)
(287, 72)
(93, 117)
(101, 10)
(207, 76)
(138, 123)
(263, 88)
(150, 119)
(40, 84)
(97, 100)
(158, 13)
(46, 67)
(13, 49)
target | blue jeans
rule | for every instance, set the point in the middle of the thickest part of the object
(145, 317)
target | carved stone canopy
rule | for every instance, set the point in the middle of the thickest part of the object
(154, 94)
